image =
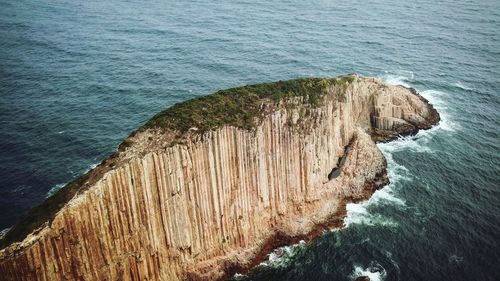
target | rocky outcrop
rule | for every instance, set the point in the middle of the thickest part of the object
(211, 203)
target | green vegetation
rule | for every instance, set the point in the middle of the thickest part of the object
(242, 106)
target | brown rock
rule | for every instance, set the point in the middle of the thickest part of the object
(215, 204)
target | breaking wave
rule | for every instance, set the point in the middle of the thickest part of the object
(280, 257)
(358, 213)
(403, 80)
(3, 231)
(436, 99)
(375, 272)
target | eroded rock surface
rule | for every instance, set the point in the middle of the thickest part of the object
(214, 203)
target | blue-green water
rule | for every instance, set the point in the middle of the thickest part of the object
(77, 76)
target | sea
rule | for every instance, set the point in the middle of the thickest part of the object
(77, 77)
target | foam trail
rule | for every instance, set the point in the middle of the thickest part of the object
(462, 86)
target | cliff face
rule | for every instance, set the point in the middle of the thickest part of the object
(214, 202)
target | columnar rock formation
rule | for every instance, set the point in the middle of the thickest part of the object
(207, 204)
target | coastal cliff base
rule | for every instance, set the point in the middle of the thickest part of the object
(309, 219)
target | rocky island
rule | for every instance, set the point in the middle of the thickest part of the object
(209, 186)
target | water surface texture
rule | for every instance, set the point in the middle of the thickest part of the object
(76, 77)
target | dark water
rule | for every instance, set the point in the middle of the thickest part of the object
(77, 76)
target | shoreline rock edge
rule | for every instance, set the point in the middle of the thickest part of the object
(213, 203)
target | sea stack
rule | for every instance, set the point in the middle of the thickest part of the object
(209, 186)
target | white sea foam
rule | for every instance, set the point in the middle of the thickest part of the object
(281, 256)
(239, 276)
(416, 143)
(462, 86)
(436, 98)
(54, 189)
(358, 213)
(387, 195)
(375, 274)
(396, 80)
(3, 231)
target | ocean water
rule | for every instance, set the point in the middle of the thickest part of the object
(76, 77)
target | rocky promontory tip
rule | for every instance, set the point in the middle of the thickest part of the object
(205, 188)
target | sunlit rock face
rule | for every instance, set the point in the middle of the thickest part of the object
(212, 204)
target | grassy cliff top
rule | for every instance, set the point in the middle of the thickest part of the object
(236, 107)
(239, 106)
